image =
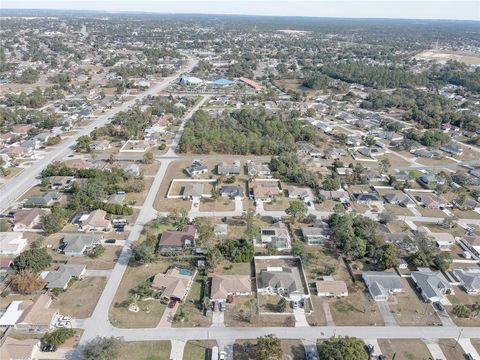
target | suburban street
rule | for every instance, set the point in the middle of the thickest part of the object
(18, 185)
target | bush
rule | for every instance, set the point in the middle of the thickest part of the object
(97, 251)
(101, 348)
(58, 336)
(27, 283)
(34, 260)
(462, 311)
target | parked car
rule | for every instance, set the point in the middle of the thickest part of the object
(221, 306)
(439, 306)
(213, 305)
(470, 357)
(110, 241)
(295, 304)
(48, 348)
(172, 303)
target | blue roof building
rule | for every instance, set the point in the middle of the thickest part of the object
(223, 82)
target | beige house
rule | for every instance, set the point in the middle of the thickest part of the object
(174, 284)
(224, 285)
(13, 349)
(95, 221)
(37, 315)
(331, 288)
(27, 219)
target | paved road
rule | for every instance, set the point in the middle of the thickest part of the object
(18, 185)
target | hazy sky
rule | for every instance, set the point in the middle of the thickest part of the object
(411, 9)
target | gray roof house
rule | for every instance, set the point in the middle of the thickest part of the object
(399, 199)
(281, 280)
(317, 234)
(382, 284)
(197, 168)
(469, 279)
(229, 169)
(453, 149)
(277, 235)
(431, 180)
(43, 200)
(370, 198)
(401, 176)
(60, 278)
(432, 284)
(79, 244)
(116, 199)
(191, 191)
(232, 191)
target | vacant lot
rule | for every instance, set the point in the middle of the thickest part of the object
(409, 310)
(461, 297)
(442, 56)
(451, 349)
(356, 309)
(221, 204)
(198, 350)
(245, 350)
(277, 205)
(317, 317)
(397, 210)
(431, 212)
(144, 350)
(408, 349)
(150, 312)
(80, 298)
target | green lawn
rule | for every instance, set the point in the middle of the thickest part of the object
(198, 350)
(144, 350)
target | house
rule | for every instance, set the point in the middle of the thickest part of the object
(132, 169)
(264, 190)
(12, 243)
(192, 191)
(232, 191)
(371, 152)
(431, 180)
(60, 278)
(190, 80)
(467, 204)
(276, 235)
(469, 279)
(197, 168)
(390, 136)
(14, 349)
(310, 150)
(16, 152)
(101, 145)
(177, 241)
(432, 201)
(255, 169)
(370, 198)
(343, 171)
(28, 219)
(283, 281)
(61, 182)
(95, 221)
(453, 149)
(425, 153)
(37, 315)
(12, 313)
(443, 240)
(300, 193)
(317, 234)
(341, 195)
(331, 288)
(229, 169)
(220, 229)
(225, 285)
(400, 199)
(174, 284)
(402, 177)
(403, 240)
(223, 82)
(433, 285)
(116, 199)
(79, 244)
(324, 126)
(43, 200)
(475, 172)
(382, 284)
(79, 164)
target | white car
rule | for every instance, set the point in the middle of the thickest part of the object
(66, 318)
(62, 324)
(223, 355)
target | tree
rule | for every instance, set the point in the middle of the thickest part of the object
(348, 348)
(97, 251)
(268, 347)
(34, 260)
(27, 283)
(84, 144)
(331, 183)
(213, 257)
(385, 165)
(58, 336)
(461, 311)
(442, 261)
(282, 305)
(101, 348)
(54, 221)
(388, 256)
(148, 158)
(297, 209)
(142, 253)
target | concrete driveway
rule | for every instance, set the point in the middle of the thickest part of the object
(387, 315)
(168, 315)
(218, 318)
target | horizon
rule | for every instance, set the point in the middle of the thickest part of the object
(465, 10)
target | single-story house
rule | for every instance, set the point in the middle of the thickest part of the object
(178, 241)
(331, 288)
(370, 198)
(277, 235)
(301, 193)
(232, 191)
(192, 191)
(79, 244)
(284, 281)
(469, 279)
(197, 168)
(431, 180)
(132, 169)
(432, 201)
(101, 145)
(310, 150)
(225, 285)
(339, 195)
(43, 200)
(432, 285)
(317, 234)
(453, 149)
(12, 243)
(255, 169)
(174, 284)
(382, 284)
(61, 182)
(229, 169)
(95, 221)
(37, 315)
(401, 176)
(220, 229)
(13, 349)
(264, 190)
(28, 219)
(60, 278)
(400, 199)
(116, 199)
(344, 171)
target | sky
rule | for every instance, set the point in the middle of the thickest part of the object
(404, 9)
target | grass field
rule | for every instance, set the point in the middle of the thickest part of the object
(144, 350)
(80, 298)
(245, 350)
(408, 349)
(198, 350)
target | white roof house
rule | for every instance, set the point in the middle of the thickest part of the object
(12, 243)
(12, 314)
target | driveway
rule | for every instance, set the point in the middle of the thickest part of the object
(444, 317)
(259, 207)
(327, 311)
(218, 319)
(467, 346)
(376, 348)
(387, 315)
(176, 352)
(167, 317)
(434, 349)
(300, 319)
(310, 346)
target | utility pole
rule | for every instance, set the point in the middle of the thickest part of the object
(458, 338)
